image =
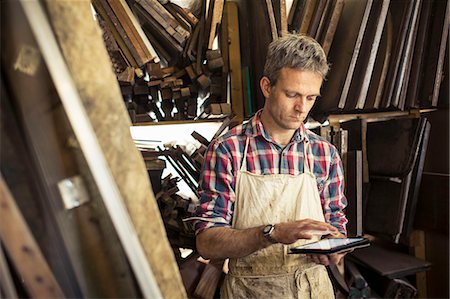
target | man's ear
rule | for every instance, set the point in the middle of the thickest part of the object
(264, 83)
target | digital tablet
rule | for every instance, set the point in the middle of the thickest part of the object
(329, 246)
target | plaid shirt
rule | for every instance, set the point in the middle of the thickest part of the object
(264, 156)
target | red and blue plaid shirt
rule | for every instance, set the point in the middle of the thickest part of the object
(264, 156)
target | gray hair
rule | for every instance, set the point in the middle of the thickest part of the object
(295, 51)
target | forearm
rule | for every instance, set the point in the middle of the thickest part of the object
(226, 242)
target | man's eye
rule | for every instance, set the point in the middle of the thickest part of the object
(291, 95)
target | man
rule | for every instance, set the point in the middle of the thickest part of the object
(261, 196)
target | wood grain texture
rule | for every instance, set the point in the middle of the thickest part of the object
(104, 106)
(23, 249)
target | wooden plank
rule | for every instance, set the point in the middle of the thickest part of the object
(307, 14)
(23, 249)
(103, 105)
(326, 15)
(355, 54)
(318, 13)
(412, 36)
(133, 29)
(366, 61)
(216, 19)
(235, 60)
(343, 54)
(105, 11)
(382, 60)
(273, 25)
(332, 25)
(401, 15)
(283, 17)
(401, 84)
(419, 53)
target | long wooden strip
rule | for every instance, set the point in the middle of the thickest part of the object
(273, 25)
(307, 14)
(331, 29)
(401, 13)
(356, 48)
(216, 19)
(441, 57)
(235, 60)
(401, 80)
(23, 249)
(103, 9)
(283, 17)
(368, 71)
(131, 30)
(419, 53)
(158, 31)
(318, 12)
(412, 36)
(326, 15)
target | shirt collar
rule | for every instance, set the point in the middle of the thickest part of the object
(256, 128)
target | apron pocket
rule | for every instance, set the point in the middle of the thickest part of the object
(314, 283)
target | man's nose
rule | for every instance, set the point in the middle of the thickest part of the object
(301, 105)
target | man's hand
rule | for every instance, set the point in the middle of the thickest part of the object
(289, 232)
(327, 259)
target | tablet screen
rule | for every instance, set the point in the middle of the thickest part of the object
(327, 246)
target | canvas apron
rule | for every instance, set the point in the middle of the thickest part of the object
(272, 272)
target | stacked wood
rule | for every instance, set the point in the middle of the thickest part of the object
(126, 31)
(382, 53)
(188, 66)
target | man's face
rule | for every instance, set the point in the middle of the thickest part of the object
(289, 101)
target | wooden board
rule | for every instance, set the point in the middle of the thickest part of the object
(106, 111)
(401, 15)
(332, 25)
(437, 42)
(307, 14)
(348, 37)
(365, 64)
(237, 104)
(24, 251)
(418, 58)
(382, 60)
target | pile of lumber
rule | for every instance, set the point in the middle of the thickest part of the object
(163, 56)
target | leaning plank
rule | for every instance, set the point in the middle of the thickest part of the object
(103, 105)
(23, 249)
(307, 15)
(273, 24)
(347, 41)
(330, 30)
(371, 42)
(133, 30)
(215, 22)
(355, 54)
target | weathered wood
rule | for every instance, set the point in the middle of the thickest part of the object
(23, 249)
(105, 12)
(133, 30)
(106, 111)
(330, 31)
(366, 61)
(235, 60)
(215, 22)
(307, 14)
(273, 25)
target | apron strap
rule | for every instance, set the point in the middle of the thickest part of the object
(244, 159)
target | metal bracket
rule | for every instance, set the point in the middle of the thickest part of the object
(73, 192)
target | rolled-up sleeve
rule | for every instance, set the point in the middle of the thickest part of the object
(217, 194)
